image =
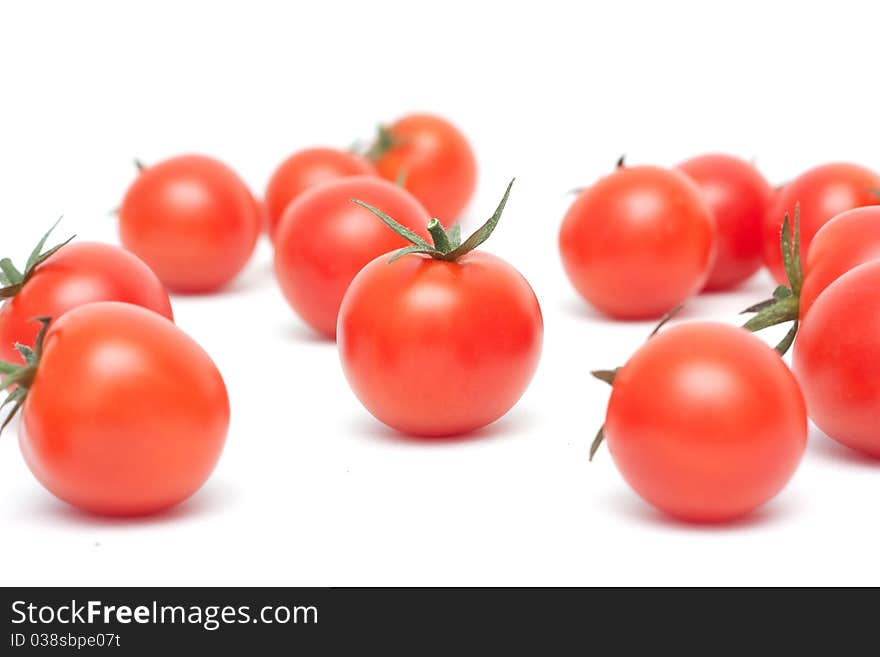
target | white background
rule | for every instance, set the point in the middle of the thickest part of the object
(311, 490)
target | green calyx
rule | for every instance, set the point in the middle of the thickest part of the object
(383, 143)
(447, 244)
(17, 379)
(13, 280)
(609, 376)
(620, 164)
(784, 305)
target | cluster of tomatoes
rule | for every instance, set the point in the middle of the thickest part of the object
(705, 421)
(123, 414)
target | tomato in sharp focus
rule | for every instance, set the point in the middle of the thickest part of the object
(192, 220)
(432, 159)
(306, 169)
(438, 347)
(638, 242)
(837, 359)
(850, 239)
(739, 197)
(324, 239)
(125, 414)
(76, 274)
(820, 193)
(706, 422)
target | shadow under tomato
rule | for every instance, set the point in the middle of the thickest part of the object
(516, 421)
(629, 506)
(209, 500)
(828, 449)
(759, 283)
(579, 309)
(295, 330)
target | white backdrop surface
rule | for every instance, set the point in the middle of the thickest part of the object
(311, 490)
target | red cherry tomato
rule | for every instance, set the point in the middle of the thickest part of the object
(434, 161)
(192, 220)
(739, 197)
(638, 242)
(837, 359)
(126, 415)
(324, 239)
(706, 422)
(821, 193)
(850, 239)
(436, 347)
(77, 274)
(306, 169)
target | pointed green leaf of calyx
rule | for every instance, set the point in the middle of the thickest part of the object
(621, 162)
(10, 272)
(17, 379)
(37, 253)
(665, 319)
(139, 165)
(16, 398)
(447, 244)
(397, 255)
(400, 229)
(597, 442)
(786, 342)
(785, 304)
(454, 235)
(12, 279)
(26, 352)
(791, 252)
(606, 375)
(483, 232)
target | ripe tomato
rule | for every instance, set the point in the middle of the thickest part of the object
(837, 359)
(440, 341)
(821, 193)
(706, 422)
(73, 275)
(638, 242)
(850, 239)
(193, 220)
(323, 240)
(124, 414)
(433, 160)
(306, 169)
(738, 196)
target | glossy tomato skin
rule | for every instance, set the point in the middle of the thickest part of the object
(192, 220)
(739, 197)
(435, 348)
(850, 239)
(837, 359)
(324, 240)
(127, 415)
(435, 161)
(77, 274)
(638, 242)
(306, 169)
(822, 193)
(706, 422)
